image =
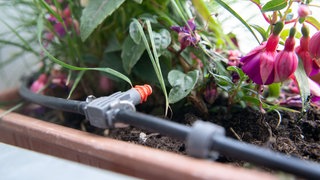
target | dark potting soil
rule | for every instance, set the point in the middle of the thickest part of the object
(295, 134)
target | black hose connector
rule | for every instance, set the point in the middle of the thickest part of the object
(199, 143)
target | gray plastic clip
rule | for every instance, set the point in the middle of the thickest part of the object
(199, 140)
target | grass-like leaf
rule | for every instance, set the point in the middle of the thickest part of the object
(235, 14)
(25, 45)
(76, 82)
(71, 67)
(303, 84)
(154, 58)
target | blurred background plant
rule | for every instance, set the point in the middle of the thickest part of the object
(180, 47)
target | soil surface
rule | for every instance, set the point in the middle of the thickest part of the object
(293, 133)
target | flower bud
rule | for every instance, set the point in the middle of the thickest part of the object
(303, 11)
(286, 61)
(303, 52)
(278, 28)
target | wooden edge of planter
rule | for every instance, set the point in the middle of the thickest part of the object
(106, 153)
(112, 154)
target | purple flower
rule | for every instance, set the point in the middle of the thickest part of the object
(187, 35)
(258, 64)
(314, 47)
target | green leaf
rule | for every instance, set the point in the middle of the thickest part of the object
(134, 32)
(235, 14)
(238, 70)
(95, 13)
(50, 10)
(302, 80)
(161, 40)
(138, 1)
(274, 90)
(154, 58)
(256, 1)
(224, 82)
(71, 67)
(274, 5)
(76, 82)
(131, 53)
(113, 44)
(313, 21)
(261, 31)
(181, 83)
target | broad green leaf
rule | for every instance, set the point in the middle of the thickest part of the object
(181, 83)
(113, 44)
(274, 5)
(134, 32)
(303, 84)
(131, 53)
(313, 21)
(161, 40)
(95, 13)
(150, 17)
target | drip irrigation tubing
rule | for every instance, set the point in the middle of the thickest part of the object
(216, 142)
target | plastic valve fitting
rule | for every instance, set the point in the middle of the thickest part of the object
(101, 111)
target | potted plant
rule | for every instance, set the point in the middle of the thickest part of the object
(195, 69)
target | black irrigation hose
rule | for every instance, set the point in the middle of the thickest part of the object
(226, 146)
(51, 102)
(221, 144)
(265, 157)
(152, 123)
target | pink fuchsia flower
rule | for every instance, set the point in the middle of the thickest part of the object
(314, 88)
(314, 47)
(39, 84)
(258, 64)
(304, 11)
(286, 61)
(187, 35)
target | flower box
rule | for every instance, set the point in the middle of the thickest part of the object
(118, 156)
